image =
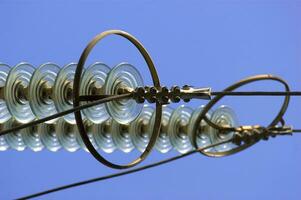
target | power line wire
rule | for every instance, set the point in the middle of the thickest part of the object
(102, 178)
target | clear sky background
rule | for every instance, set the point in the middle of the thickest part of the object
(202, 43)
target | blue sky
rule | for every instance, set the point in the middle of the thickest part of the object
(202, 43)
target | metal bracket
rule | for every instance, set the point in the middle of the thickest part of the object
(163, 95)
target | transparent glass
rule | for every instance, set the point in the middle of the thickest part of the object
(223, 116)
(103, 136)
(177, 129)
(88, 127)
(68, 135)
(4, 113)
(203, 130)
(123, 76)
(41, 103)
(140, 128)
(32, 139)
(94, 79)
(14, 139)
(163, 143)
(121, 137)
(63, 89)
(49, 136)
(3, 144)
(16, 86)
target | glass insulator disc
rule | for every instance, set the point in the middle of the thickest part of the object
(92, 82)
(140, 128)
(177, 129)
(123, 76)
(223, 116)
(203, 130)
(4, 113)
(3, 144)
(121, 137)
(14, 139)
(15, 92)
(163, 143)
(68, 135)
(63, 90)
(32, 139)
(88, 127)
(49, 136)
(103, 136)
(40, 91)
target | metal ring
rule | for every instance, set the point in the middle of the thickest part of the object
(217, 98)
(76, 100)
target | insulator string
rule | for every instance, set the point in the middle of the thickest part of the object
(60, 114)
(98, 99)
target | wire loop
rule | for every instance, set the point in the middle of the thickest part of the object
(217, 98)
(76, 99)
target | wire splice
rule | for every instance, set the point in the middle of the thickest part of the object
(253, 134)
(163, 95)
